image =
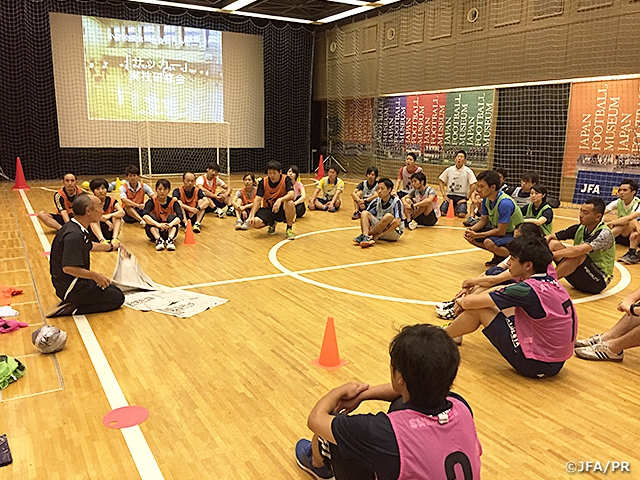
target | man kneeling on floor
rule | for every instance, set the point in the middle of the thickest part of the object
(533, 322)
(80, 289)
(428, 432)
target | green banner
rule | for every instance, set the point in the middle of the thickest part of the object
(469, 117)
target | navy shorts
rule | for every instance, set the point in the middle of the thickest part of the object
(622, 240)
(129, 219)
(501, 332)
(499, 241)
(458, 208)
(217, 203)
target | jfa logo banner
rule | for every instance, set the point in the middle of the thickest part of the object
(598, 184)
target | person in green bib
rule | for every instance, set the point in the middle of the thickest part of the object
(500, 215)
(625, 227)
(539, 211)
(588, 264)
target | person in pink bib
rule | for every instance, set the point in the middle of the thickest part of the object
(428, 432)
(539, 336)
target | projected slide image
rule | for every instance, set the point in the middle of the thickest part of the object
(142, 71)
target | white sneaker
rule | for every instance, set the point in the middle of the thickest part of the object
(587, 342)
(159, 244)
(220, 213)
(413, 225)
(239, 224)
(598, 352)
(446, 305)
(170, 245)
(245, 225)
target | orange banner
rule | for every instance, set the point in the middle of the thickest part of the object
(603, 131)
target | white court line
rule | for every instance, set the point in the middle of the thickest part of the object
(19, 397)
(143, 458)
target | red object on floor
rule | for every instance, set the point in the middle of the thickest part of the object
(21, 183)
(124, 417)
(6, 294)
(320, 173)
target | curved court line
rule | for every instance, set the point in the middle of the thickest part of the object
(625, 279)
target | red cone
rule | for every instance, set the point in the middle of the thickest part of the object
(21, 183)
(320, 169)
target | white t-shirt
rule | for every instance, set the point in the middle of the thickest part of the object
(613, 206)
(201, 179)
(458, 181)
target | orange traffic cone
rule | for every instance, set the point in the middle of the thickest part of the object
(21, 183)
(189, 238)
(329, 355)
(320, 173)
(450, 212)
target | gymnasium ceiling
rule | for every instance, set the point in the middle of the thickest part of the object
(319, 12)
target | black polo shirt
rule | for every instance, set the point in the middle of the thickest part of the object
(70, 248)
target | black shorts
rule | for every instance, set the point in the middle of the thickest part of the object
(58, 218)
(402, 194)
(501, 332)
(622, 240)
(588, 277)
(128, 219)
(426, 220)
(269, 218)
(300, 210)
(106, 233)
(164, 234)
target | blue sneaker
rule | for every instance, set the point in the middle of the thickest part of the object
(358, 239)
(303, 457)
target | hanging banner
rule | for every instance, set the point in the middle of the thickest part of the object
(389, 124)
(603, 130)
(424, 129)
(358, 121)
(468, 124)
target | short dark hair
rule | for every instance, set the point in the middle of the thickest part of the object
(331, 167)
(421, 177)
(598, 204)
(531, 249)
(274, 165)
(530, 176)
(490, 177)
(462, 152)
(428, 360)
(164, 182)
(185, 174)
(69, 173)
(412, 155)
(528, 229)
(372, 169)
(538, 187)
(633, 185)
(97, 183)
(253, 177)
(213, 166)
(131, 170)
(295, 170)
(387, 182)
(501, 171)
(81, 204)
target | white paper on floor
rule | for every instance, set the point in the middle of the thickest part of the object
(129, 277)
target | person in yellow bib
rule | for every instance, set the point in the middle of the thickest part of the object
(538, 211)
(500, 215)
(328, 192)
(625, 227)
(588, 264)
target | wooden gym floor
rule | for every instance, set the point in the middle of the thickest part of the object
(229, 390)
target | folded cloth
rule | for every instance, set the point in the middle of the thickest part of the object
(6, 293)
(8, 326)
(7, 311)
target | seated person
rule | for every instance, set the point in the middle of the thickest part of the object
(243, 201)
(588, 264)
(625, 227)
(328, 192)
(476, 209)
(192, 201)
(365, 192)
(274, 201)
(383, 219)
(503, 177)
(403, 183)
(162, 215)
(625, 334)
(539, 211)
(108, 228)
(216, 199)
(421, 204)
(424, 364)
(500, 215)
(494, 276)
(132, 192)
(457, 183)
(539, 337)
(522, 194)
(298, 190)
(80, 289)
(63, 200)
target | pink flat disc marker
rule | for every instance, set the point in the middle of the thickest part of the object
(124, 417)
